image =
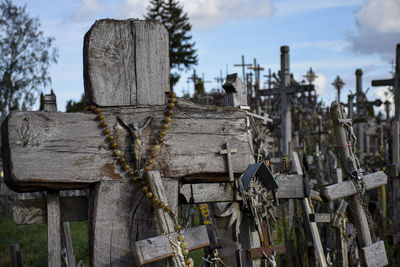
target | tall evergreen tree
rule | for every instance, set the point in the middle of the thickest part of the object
(181, 50)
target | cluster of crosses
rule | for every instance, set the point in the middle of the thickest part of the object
(206, 157)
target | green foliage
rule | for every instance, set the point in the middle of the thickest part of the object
(25, 56)
(181, 51)
(33, 242)
(73, 106)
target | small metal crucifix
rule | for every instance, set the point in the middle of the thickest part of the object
(136, 133)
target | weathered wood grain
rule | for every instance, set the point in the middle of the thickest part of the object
(208, 193)
(53, 229)
(119, 215)
(320, 217)
(156, 248)
(347, 188)
(165, 221)
(69, 151)
(66, 242)
(290, 186)
(33, 211)
(126, 62)
(375, 255)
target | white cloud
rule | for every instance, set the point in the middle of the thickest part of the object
(86, 10)
(321, 83)
(206, 13)
(288, 7)
(133, 9)
(378, 27)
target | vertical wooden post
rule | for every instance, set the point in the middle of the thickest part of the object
(53, 229)
(16, 256)
(286, 115)
(347, 159)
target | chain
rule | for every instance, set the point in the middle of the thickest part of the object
(359, 183)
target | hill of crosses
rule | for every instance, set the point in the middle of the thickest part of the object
(252, 174)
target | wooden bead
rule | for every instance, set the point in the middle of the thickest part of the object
(103, 124)
(156, 148)
(187, 262)
(180, 237)
(165, 126)
(170, 112)
(172, 94)
(153, 155)
(97, 110)
(117, 153)
(167, 119)
(154, 200)
(171, 105)
(172, 100)
(167, 208)
(100, 117)
(126, 167)
(114, 145)
(178, 228)
(160, 140)
(110, 137)
(185, 252)
(146, 168)
(183, 245)
(131, 173)
(106, 131)
(92, 108)
(149, 195)
(162, 133)
(161, 205)
(122, 160)
(149, 162)
(145, 189)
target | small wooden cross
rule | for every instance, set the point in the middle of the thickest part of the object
(267, 249)
(228, 151)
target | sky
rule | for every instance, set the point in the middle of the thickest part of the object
(333, 37)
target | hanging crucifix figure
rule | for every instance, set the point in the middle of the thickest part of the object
(136, 133)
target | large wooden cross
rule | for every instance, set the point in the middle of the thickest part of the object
(126, 74)
(355, 187)
(286, 88)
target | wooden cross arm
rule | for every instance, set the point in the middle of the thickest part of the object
(61, 151)
(346, 188)
(33, 211)
(159, 247)
(386, 82)
(290, 187)
(257, 253)
(288, 90)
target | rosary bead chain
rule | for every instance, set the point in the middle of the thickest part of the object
(134, 173)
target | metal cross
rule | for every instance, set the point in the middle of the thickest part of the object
(267, 249)
(338, 84)
(136, 134)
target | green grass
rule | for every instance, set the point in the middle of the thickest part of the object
(33, 242)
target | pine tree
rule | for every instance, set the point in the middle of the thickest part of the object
(181, 51)
(41, 106)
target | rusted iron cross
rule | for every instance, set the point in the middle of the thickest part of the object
(268, 249)
(228, 152)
